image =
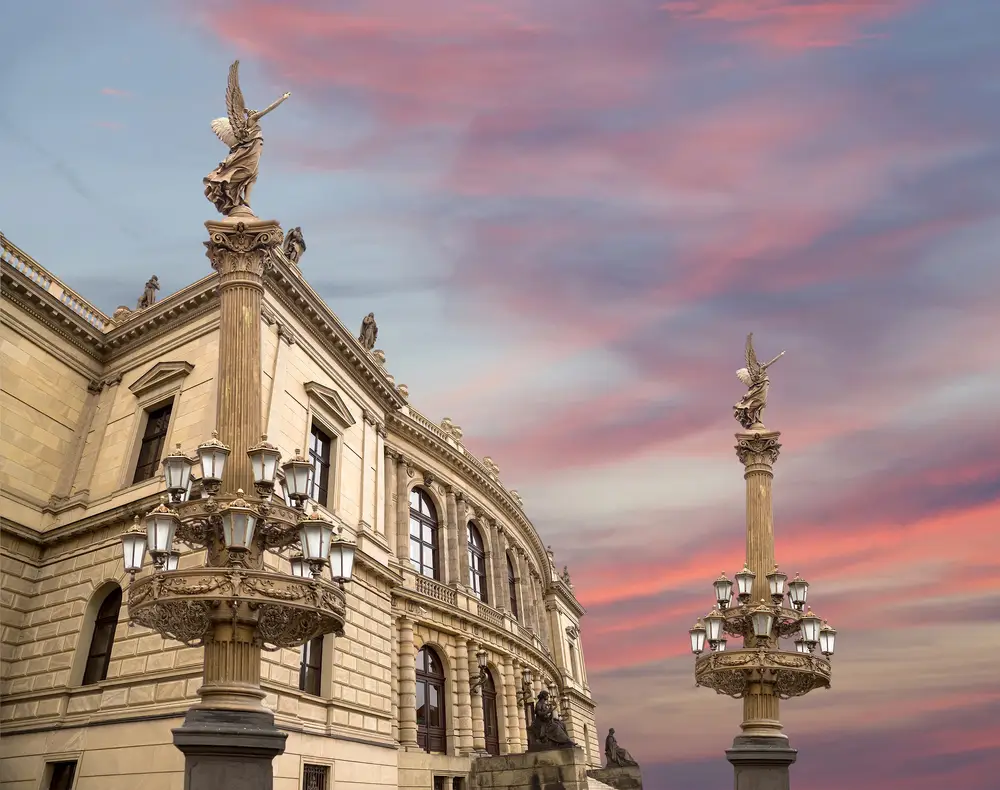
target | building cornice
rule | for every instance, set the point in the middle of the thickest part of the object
(298, 297)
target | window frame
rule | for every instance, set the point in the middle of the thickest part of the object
(429, 736)
(426, 521)
(311, 658)
(477, 552)
(512, 585)
(329, 464)
(100, 621)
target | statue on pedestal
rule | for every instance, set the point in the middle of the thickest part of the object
(149, 293)
(294, 245)
(616, 755)
(228, 186)
(546, 731)
(754, 376)
(369, 332)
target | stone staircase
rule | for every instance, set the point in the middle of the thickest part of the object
(596, 784)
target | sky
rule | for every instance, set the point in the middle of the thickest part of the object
(566, 216)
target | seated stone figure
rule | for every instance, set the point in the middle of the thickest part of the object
(617, 756)
(546, 731)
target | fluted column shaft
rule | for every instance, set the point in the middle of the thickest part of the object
(394, 682)
(465, 701)
(758, 452)
(390, 500)
(511, 707)
(407, 685)
(453, 536)
(402, 512)
(478, 718)
(501, 598)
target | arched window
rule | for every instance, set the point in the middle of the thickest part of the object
(424, 534)
(512, 586)
(477, 563)
(491, 725)
(431, 734)
(103, 637)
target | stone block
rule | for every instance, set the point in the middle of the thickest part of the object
(621, 778)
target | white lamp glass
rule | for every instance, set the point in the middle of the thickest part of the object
(172, 560)
(315, 534)
(713, 625)
(697, 638)
(723, 591)
(239, 521)
(161, 523)
(212, 455)
(297, 472)
(744, 582)
(264, 459)
(801, 646)
(798, 590)
(809, 625)
(762, 620)
(342, 560)
(481, 656)
(134, 548)
(776, 582)
(827, 636)
(177, 471)
(720, 646)
(300, 568)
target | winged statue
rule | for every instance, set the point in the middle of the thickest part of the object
(228, 186)
(754, 376)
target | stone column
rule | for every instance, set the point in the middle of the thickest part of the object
(758, 453)
(453, 538)
(761, 755)
(407, 685)
(486, 529)
(394, 681)
(478, 719)
(522, 725)
(465, 701)
(380, 513)
(230, 733)
(501, 599)
(390, 500)
(511, 707)
(402, 511)
(367, 423)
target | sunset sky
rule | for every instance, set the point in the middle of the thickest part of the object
(566, 216)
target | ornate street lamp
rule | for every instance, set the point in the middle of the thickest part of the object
(212, 456)
(484, 673)
(297, 475)
(762, 671)
(177, 468)
(341, 560)
(134, 548)
(264, 459)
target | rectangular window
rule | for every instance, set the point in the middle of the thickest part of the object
(458, 783)
(61, 775)
(153, 440)
(311, 667)
(440, 783)
(315, 777)
(320, 445)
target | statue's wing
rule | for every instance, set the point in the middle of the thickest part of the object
(224, 131)
(744, 376)
(235, 106)
(753, 366)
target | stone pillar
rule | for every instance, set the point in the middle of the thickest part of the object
(229, 736)
(454, 540)
(380, 465)
(95, 438)
(394, 681)
(522, 724)
(407, 685)
(465, 702)
(390, 500)
(402, 511)
(761, 763)
(501, 595)
(478, 719)
(511, 707)
(758, 452)
(367, 423)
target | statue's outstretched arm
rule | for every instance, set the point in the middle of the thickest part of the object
(274, 105)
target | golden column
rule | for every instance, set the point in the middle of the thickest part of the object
(757, 452)
(239, 251)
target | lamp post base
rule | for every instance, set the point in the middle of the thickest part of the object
(229, 749)
(761, 763)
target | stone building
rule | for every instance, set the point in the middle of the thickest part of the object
(448, 564)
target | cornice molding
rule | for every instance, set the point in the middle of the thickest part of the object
(50, 312)
(298, 297)
(159, 374)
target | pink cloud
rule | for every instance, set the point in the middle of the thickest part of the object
(792, 24)
(122, 94)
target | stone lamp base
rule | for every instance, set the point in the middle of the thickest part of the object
(761, 763)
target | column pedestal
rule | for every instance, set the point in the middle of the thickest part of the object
(228, 748)
(761, 763)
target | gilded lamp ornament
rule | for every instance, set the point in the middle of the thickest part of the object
(286, 609)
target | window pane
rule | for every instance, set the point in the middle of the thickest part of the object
(415, 499)
(415, 551)
(421, 702)
(433, 706)
(414, 527)
(428, 536)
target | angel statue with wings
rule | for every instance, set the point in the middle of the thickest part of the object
(754, 376)
(228, 186)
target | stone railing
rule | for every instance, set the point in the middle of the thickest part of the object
(526, 633)
(437, 591)
(15, 257)
(490, 615)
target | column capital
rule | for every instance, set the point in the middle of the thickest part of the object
(240, 251)
(758, 449)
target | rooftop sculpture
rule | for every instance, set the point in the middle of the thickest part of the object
(228, 186)
(748, 411)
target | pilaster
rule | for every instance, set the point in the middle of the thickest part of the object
(407, 685)
(455, 544)
(465, 702)
(402, 510)
(478, 719)
(512, 716)
(390, 500)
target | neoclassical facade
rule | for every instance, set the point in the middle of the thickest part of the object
(456, 613)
